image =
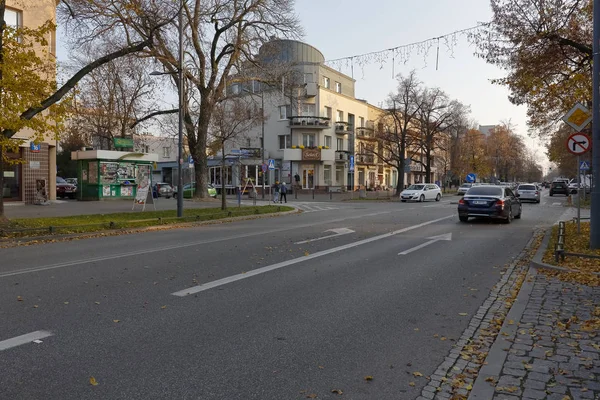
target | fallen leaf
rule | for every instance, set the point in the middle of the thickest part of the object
(443, 338)
(35, 306)
(411, 384)
(163, 307)
(368, 378)
(96, 302)
(66, 302)
(469, 387)
(416, 329)
(511, 322)
(93, 381)
(116, 321)
(463, 314)
(321, 367)
(306, 253)
(19, 298)
(337, 391)
(311, 396)
(417, 373)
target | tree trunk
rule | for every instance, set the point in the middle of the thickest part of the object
(400, 180)
(223, 198)
(3, 219)
(200, 157)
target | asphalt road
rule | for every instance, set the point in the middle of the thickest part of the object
(254, 309)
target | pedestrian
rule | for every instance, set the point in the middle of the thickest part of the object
(283, 190)
(276, 188)
(297, 179)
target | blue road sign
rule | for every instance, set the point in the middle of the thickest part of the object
(584, 166)
(264, 168)
(351, 163)
(271, 164)
(190, 160)
(35, 148)
(471, 178)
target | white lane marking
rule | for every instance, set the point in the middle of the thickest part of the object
(337, 232)
(178, 246)
(556, 204)
(258, 271)
(445, 236)
(23, 339)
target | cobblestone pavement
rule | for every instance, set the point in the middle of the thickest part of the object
(555, 353)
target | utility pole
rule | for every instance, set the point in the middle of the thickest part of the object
(595, 212)
(180, 127)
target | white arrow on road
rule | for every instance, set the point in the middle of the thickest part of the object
(337, 232)
(433, 239)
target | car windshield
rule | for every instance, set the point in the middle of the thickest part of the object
(416, 187)
(527, 187)
(466, 185)
(485, 191)
(60, 180)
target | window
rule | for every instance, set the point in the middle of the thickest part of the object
(235, 88)
(166, 152)
(284, 112)
(328, 141)
(340, 116)
(338, 87)
(361, 121)
(328, 112)
(327, 174)
(285, 141)
(13, 18)
(256, 87)
(340, 144)
(308, 77)
(146, 149)
(326, 82)
(339, 175)
(248, 142)
(308, 110)
(308, 140)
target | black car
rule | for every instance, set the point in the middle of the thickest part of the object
(65, 189)
(559, 187)
(490, 202)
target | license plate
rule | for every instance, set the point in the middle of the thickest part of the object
(479, 202)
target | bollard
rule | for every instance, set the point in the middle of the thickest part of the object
(51, 229)
(111, 225)
(330, 195)
(313, 193)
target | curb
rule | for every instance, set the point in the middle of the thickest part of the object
(494, 362)
(114, 232)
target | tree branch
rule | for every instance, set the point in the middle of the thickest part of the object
(152, 115)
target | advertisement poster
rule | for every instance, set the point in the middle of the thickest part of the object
(106, 191)
(127, 191)
(143, 183)
(93, 172)
(109, 172)
(126, 172)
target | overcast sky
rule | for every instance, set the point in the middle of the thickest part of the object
(353, 27)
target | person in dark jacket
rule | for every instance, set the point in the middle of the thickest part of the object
(283, 190)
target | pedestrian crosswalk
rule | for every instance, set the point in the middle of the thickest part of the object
(308, 207)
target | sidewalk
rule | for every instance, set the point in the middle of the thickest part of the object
(549, 343)
(63, 208)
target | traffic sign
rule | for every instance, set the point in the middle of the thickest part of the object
(578, 143)
(351, 163)
(190, 160)
(264, 168)
(578, 117)
(35, 148)
(471, 178)
(584, 166)
(271, 164)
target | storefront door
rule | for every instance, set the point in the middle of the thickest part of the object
(308, 179)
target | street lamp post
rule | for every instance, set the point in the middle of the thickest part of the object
(180, 125)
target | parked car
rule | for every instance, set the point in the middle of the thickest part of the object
(490, 202)
(421, 192)
(72, 181)
(65, 189)
(559, 187)
(190, 188)
(529, 191)
(463, 188)
(162, 189)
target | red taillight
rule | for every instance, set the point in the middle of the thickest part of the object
(500, 203)
(461, 201)
(536, 193)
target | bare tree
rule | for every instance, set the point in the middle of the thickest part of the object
(436, 115)
(110, 99)
(398, 121)
(232, 119)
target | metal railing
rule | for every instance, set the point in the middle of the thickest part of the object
(559, 248)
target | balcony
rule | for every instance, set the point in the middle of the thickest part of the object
(342, 128)
(314, 154)
(365, 133)
(341, 156)
(309, 122)
(365, 159)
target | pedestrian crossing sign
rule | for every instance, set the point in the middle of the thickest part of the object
(271, 164)
(584, 166)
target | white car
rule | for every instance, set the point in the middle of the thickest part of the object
(421, 192)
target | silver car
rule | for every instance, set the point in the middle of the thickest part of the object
(463, 188)
(528, 192)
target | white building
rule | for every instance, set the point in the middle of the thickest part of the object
(314, 127)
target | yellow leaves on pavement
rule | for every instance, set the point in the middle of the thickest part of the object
(66, 302)
(306, 253)
(509, 389)
(411, 384)
(337, 391)
(116, 321)
(368, 378)
(463, 314)
(163, 307)
(93, 381)
(311, 396)
(19, 298)
(417, 374)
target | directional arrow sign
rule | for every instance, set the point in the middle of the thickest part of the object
(433, 239)
(337, 232)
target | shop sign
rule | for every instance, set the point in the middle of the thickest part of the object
(122, 142)
(34, 164)
(311, 154)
